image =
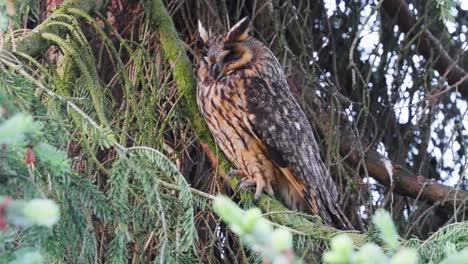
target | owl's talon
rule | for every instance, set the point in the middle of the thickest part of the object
(259, 190)
(257, 197)
(246, 183)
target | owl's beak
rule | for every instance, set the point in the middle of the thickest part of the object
(216, 71)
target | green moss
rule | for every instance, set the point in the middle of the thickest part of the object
(182, 71)
(33, 44)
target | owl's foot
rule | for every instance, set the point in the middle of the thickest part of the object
(246, 182)
(258, 182)
(260, 186)
(263, 184)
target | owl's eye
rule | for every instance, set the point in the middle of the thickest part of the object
(204, 51)
(232, 56)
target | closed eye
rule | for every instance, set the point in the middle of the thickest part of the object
(232, 56)
(204, 51)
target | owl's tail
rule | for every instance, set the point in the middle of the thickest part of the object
(298, 196)
(321, 199)
(331, 212)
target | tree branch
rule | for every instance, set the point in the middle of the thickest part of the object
(33, 44)
(175, 54)
(429, 46)
(409, 184)
(386, 172)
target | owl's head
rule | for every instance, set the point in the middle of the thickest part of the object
(224, 54)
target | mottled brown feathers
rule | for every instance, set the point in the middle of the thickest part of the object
(248, 106)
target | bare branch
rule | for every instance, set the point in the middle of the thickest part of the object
(395, 176)
(429, 46)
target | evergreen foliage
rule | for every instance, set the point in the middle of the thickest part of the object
(134, 199)
(274, 246)
(343, 252)
(25, 223)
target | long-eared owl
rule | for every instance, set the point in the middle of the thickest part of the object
(246, 101)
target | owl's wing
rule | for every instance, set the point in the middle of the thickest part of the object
(278, 120)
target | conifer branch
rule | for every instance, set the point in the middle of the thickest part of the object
(33, 44)
(43, 212)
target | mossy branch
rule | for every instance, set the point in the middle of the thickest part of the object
(182, 71)
(33, 44)
(175, 54)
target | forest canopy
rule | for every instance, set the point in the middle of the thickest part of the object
(105, 158)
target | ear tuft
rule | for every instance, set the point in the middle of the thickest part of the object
(239, 31)
(203, 33)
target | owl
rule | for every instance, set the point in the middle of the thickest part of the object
(245, 99)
